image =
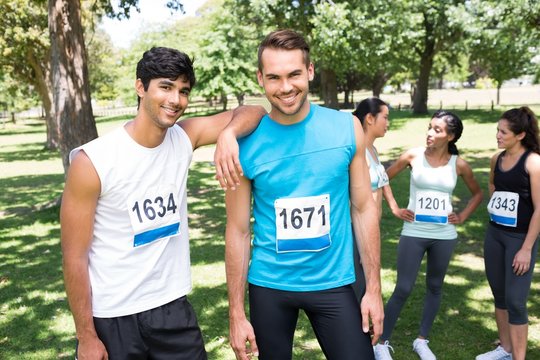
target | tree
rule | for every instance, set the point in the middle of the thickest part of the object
(25, 52)
(102, 65)
(228, 58)
(441, 26)
(72, 108)
(505, 44)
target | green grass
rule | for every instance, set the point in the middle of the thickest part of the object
(35, 322)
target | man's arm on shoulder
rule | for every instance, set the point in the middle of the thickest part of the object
(204, 130)
(237, 254)
(224, 128)
(365, 221)
(77, 213)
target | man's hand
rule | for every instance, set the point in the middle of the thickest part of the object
(372, 309)
(91, 348)
(241, 332)
(227, 161)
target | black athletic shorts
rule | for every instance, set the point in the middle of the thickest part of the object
(167, 332)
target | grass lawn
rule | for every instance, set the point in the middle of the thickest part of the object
(35, 322)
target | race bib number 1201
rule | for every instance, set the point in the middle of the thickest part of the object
(432, 207)
(302, 223)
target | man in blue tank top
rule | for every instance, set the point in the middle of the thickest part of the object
(304, 166)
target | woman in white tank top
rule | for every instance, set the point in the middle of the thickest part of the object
(429, 224)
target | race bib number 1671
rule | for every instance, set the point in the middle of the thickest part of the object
(302, 223)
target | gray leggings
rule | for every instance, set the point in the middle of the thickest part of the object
(411, 250)
(509, 290)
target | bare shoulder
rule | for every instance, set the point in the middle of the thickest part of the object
(533, 163)
(82, 176)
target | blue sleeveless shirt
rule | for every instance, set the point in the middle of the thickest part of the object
(302, 238)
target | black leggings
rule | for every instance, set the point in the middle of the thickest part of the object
(509, 290)
(411, 250)
(334, 315)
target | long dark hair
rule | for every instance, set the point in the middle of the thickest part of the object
(454, 126)
(523, 120)
(371, 106)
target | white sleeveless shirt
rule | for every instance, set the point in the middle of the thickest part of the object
(139, 256)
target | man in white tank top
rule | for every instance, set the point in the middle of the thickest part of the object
(124, 218)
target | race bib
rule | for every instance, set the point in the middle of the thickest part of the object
(432, 207)
(154, 215)
(503, 208)
(302, 223)
(383, 176)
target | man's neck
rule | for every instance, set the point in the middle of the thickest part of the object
(144, 132)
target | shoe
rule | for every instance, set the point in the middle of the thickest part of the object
(421, 348)
(498, 354)
(382, 352)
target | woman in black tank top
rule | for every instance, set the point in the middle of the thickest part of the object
(511, 241)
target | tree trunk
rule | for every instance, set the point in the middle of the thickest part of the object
(346, 102)
(329, 88)
(426, 64)
(379, 81)
(499, 84)
(71, 109)
(224, 101)
(240, 98)
(43, 85)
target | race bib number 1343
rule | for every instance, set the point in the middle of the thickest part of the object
(503, 208)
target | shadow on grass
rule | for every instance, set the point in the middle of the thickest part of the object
(31, 286)
(27, 126)
(30, 152)
(25, 193)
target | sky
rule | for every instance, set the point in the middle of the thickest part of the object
(152, 12)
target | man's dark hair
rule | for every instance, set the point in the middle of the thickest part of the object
(163, 62)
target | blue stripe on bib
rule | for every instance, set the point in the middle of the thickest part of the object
(431, 219)
(503, 220)
(311, 244)
(155, 234)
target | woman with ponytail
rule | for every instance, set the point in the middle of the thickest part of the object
(429, 224)
(511, 241)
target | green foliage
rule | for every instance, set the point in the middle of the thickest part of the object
(102, 69)
(505, 44)
(228, 56)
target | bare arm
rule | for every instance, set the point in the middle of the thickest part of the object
(79, 203)
(400, 164)
(365, 221)
(491, 184)
(465, 171)
(224, 128)
(401, 213)
(237, 254)
(522, 260)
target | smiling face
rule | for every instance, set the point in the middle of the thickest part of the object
(164, 101)
(437, 135)
(285, 78)
(506, 139)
